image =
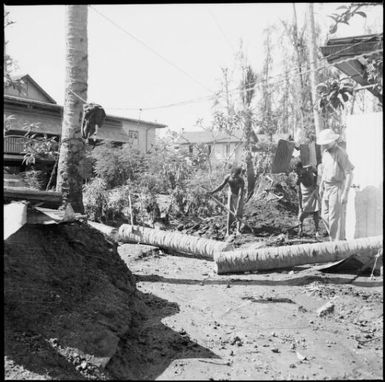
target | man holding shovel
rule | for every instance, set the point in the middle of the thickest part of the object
(235, 197)
(308, 197)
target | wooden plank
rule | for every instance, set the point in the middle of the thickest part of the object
(39, 215)
(48, 199)
(15, 216)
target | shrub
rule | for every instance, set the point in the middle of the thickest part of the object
(117, 204)
(35, 179)
(94, 199)
(116, 165)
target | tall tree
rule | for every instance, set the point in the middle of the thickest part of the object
(247, 93)
(268, 120)
(313, 64)
(300, 82)
(72, 149)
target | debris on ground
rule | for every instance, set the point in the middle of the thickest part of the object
(80, 307)
(326, 309)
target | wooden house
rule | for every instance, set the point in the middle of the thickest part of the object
(33, 106)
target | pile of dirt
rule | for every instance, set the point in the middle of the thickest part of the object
(270, 213)
(69, 299)
(263, 218)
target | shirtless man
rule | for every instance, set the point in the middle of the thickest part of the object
(235, 196)
(308, 198)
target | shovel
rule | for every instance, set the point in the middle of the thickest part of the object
(227, 209)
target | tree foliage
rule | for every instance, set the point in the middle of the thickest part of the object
(346, 13)
(339, 93)
(333, 94)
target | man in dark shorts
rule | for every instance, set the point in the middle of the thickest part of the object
(235, 197)
(308, 197)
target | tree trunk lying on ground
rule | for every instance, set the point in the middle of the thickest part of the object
(249, 260)
(173, 241)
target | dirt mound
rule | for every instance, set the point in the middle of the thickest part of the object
(264, 217)
(269, 213)
(68, 300)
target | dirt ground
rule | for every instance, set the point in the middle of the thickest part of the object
(255, 326)
(77, 306)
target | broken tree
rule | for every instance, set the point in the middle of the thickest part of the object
(249, 260)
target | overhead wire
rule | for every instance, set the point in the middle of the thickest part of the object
(151, 49)
(206, 98)
(239, 88)
(221, 30)
(320, 67)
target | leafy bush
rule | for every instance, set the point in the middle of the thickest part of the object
(198, 202)
(35, 179)
(117, 204)
(164, 170)
(116, 165)
(94, 199)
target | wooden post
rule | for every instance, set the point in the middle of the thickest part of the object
(130, 205)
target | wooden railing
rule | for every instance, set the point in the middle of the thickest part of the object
(14, 144)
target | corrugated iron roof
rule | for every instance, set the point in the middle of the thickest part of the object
(337, 49)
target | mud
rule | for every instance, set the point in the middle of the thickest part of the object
(76, 306)
(259, 326)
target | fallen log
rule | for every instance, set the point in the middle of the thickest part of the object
(166, 240)
(229, 260)
(175, 241)
(111, 232)
(249, 260)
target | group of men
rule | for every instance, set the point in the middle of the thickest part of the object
(324, 189)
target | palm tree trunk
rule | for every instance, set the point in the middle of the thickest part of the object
(174, 241)
(72, 149)
(247, 260)
(250, 260)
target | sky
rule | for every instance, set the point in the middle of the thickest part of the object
(156, 55)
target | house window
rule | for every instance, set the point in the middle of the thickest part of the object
(190, 149)
(133, 136)
(209, 149)
(228, 149)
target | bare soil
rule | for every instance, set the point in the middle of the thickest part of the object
(76, 306)
(255, 326)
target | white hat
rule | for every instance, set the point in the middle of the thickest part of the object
(327, 136)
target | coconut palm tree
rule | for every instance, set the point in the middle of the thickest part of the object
(72, 149)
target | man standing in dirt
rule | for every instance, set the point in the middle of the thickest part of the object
(337, 177)
(308, 197)
(235, 197)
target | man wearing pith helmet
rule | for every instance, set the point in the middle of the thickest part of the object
(337, 177)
